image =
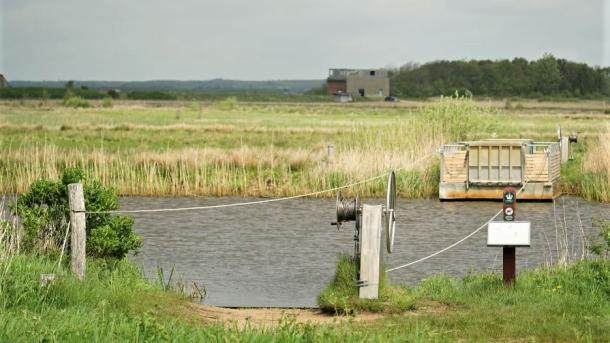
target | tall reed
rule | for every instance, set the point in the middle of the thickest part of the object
(405, 142)
(596, 177)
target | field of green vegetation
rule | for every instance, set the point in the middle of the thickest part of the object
(115, 304)
(270, 149)
(229, 147)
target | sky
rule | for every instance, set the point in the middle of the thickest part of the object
(284, 39)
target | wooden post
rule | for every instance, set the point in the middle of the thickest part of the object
(330, 153)
(77, 225)
(565, 149)
(509, 265)
(370, 251)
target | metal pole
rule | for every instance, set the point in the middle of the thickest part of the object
(509, 263)
(509, 260)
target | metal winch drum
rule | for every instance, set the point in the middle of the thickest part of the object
(351, 210)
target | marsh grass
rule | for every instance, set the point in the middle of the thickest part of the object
(569, 303)
(588, 173)
(233, 148)
(341, 295)
(596, 179)
(115, 303)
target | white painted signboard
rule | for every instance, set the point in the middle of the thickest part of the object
(508, 234)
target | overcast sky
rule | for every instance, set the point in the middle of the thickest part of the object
(284, 39)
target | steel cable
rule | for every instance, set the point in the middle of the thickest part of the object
(466, 237)
(256, 202)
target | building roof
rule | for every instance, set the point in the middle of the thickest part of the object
(340, 74)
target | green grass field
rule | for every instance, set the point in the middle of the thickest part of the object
(115, 304)
(272, 149)
(232, 148)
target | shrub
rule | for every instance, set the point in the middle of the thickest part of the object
(44, 213)
(76, 102)
(227, 104)
(150, 95)
(107, 102)
(341, 295)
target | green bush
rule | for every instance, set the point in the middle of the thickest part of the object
(341, 295)
(150, 95)
(230, 103)
(76, 102)
(44, 213)
(107, 102)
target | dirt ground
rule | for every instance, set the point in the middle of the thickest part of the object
(266, 317)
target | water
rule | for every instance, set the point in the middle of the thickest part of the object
(282, 254)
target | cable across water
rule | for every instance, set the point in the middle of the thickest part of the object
(466, 237)
(414, 163)
(242, 203)
(256, 202)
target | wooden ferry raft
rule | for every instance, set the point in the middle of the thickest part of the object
(481, 169)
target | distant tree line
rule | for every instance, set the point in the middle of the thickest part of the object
(47, 93)
(83, 92)
(22, 93)
(545, 77)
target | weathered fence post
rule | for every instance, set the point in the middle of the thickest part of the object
(77, 225)
(330, 154)
(564, 144)
(370, 251)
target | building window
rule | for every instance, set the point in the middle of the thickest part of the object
(361, 91)
(372, 73)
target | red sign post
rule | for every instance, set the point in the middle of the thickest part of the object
(509, 208)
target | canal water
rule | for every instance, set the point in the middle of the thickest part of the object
(282, 254)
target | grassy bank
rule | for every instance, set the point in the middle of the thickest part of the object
(116, 304)
(341, 295)
(232, 148)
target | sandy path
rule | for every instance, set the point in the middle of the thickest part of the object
(271, 316)
(265, 317)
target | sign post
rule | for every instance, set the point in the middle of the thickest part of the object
(509, 202)
(508, 234)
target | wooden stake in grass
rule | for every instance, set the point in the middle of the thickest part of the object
(370, 240)
(78, 225)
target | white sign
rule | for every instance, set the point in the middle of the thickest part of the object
(512, 234)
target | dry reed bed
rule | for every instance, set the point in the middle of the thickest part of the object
(596, 168)
(218, 128)
(361, 151)
(597, 158)
(244, 171)
(365, 145)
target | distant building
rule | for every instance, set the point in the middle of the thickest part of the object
(3, 82)
(359, 82)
